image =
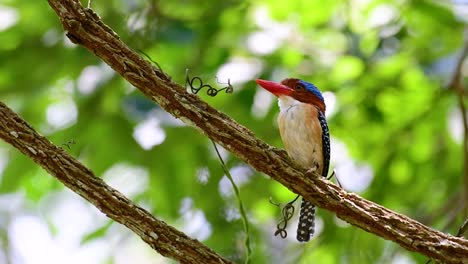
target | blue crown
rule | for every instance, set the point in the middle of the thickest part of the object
(312, 88)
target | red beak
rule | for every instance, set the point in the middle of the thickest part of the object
(275, 88)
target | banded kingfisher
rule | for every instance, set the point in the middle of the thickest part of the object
(304, 132)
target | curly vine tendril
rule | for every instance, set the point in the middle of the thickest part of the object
(196, 84)
(287, 213)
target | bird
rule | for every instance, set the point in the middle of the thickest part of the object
(305, 135)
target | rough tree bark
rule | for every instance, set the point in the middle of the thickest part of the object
(165, 239)
(85, 28)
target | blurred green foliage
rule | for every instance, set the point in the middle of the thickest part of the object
(384, 64)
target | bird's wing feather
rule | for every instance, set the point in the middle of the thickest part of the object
(325, 143)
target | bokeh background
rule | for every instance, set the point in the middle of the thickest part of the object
(397, 131)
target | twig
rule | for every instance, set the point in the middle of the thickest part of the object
(456, 85)
(463, 229)
(455, 81)
(245, 220)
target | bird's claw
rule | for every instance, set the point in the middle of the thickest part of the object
(313, 170)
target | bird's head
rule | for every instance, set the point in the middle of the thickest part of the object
(300, 90)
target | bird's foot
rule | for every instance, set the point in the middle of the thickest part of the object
(313, 170)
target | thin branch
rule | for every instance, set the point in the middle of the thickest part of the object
(455, 81)
(165, 239)
(456, 85)
(245, 220)
(461, 105)
(86, 28)
(463, 229)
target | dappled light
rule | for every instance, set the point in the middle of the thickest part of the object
(393, 76)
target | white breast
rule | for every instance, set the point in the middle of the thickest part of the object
(301, 132)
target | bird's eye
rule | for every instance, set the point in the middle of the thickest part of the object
(298, 87)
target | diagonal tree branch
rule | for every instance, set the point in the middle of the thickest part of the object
(165, 239)
(85, 27)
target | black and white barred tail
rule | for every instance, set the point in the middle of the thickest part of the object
(306, 227)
